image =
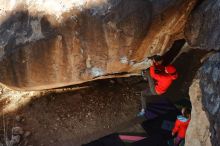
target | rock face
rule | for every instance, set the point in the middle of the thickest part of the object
(57, 43)
(204, 128)
(198, 133)
(202, 31)
(203, 27)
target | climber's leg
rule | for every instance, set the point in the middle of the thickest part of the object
(151, 83)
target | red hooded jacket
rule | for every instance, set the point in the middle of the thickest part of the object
(180, 127)
(164, 80)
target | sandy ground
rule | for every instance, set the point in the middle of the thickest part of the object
(72, 118)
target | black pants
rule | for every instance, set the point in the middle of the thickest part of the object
(149, 91)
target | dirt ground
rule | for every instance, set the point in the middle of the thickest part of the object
(72, 118)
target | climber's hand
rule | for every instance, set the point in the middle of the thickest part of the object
(143, 74)
(156, 59)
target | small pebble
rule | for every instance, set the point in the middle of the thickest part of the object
(17, 130)
(15, 139)
(27, 134)
(18, 118)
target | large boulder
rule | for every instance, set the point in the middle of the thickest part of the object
(204, 129)
(203, 31)
(48, 44)
(203, 28)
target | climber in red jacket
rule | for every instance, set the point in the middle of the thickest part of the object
(181, 125)
(163, 80)
(159, 78)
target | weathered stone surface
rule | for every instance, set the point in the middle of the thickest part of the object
(198, 133)
(17, 131)
(204, 128)
(47, 45)
(203, 27)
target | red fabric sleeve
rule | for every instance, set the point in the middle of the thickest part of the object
(153, 74)
(176, 126)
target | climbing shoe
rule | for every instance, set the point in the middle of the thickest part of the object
(141, 113)
(143, 74)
